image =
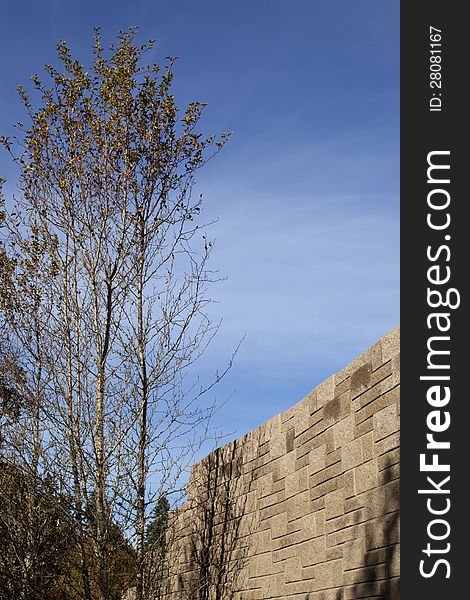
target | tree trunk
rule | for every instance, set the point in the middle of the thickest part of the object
(141, 455)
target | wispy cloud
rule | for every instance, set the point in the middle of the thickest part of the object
(312, 263)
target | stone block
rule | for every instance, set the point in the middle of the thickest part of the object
(313, 551)
(299, 505)
(325, 391)
(320, 523)
(354, 554)
(278, 525)
(349, 484)
(334, 504)
(317, 459)
(386, 422)
(307, 524)
(366, 476)
(290, 437)
(270, 428)
(301, 419)
(376, 355)
(261, 540)
(343, 431)
(367, 442)
(296, 482)
(265, 485)
(278, 446)
(336, 409)
(293, 569)
(272, 585)
(360, 379)
(382, 531)
(329, 574)
(391, 344)
(383, 499)
(330, 443)
(351, 455)
(396, 370)
(262, 564)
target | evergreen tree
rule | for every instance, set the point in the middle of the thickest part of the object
(157, 527)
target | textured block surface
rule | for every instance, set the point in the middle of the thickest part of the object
(310, 509)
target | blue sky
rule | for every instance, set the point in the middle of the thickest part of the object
(307, 191)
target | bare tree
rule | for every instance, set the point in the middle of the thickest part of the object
(109, 290)
(35, 536)
(207, 540)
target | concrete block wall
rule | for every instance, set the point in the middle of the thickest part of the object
(306, 506)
